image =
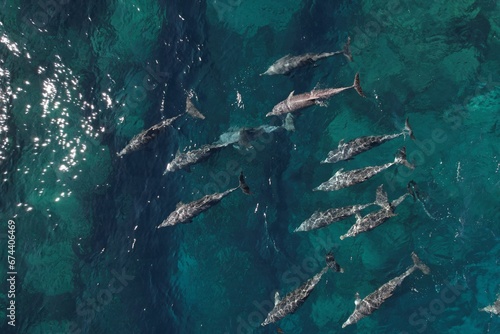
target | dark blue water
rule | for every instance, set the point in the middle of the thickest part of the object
(79, 79)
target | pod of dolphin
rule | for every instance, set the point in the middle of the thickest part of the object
(185, 213)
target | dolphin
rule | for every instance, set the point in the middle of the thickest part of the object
(191, 109)
(293, 300)
(343, 179)
(184, 213)
(140, 140)
(325, 218)
(493, 309)
(244, 136)
(372, 302)
(374, 219)
(288, 63)
(186, 159)
(346, 151)
(317, 96)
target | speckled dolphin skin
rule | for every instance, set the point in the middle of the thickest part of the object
(493, 309)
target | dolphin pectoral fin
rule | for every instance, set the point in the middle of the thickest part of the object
(179, 205)
(276, 298)
(290, 96)
(321, 103)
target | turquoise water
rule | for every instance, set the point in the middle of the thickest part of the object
(79, 79)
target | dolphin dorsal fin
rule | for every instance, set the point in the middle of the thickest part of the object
(357, 215)
(357, 300)
(339, 171)
(276, 298)
(290, 96)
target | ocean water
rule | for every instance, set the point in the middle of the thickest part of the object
(78, 79)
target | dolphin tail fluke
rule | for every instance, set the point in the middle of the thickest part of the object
(408, 131)
(346, 50)
(401, 158)
(419, 264)
(243, 185)
(332, 264)
(381, 197)
(288, 123)
(413, 190)
(357, 86)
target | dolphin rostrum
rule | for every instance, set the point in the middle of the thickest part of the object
(325, 218)
(343, 179)
(293, 300)
(288, 63)
(374, 219)
(346, 151)
(372, 302)
(317, 96)
(493, 309)
(184, 213)
(140, 140)
(186, 159)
